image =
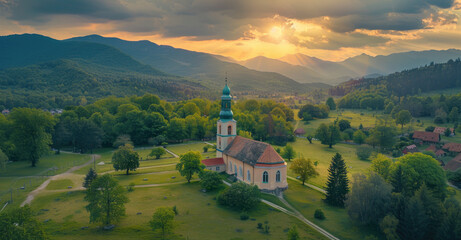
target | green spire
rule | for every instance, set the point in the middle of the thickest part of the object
(226, 99)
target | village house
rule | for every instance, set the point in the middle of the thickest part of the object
(454, 164)
(426, 137)
(441, 130)
(250, 161)
(410, 149)
(452, 147)
(300, 132)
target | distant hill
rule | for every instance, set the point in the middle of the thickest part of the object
(207, 69)
(358, 66)
(36, 70)
(410, 82)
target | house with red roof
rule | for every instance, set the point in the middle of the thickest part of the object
(454, 164)
(250, 161)
(452, 147)
(441, 130)
(426, 137)
(214, 164)
(410, 149)
(300, 132)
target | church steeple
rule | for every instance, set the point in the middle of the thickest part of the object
(226, 99)
(227, 126)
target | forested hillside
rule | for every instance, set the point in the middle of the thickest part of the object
(205, 68)
(60, 83)
(38, 71)
(410, 82)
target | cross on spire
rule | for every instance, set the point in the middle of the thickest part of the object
(226, 78)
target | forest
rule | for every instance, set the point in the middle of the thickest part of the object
(112, 122)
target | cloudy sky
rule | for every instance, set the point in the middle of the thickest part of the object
(328, 29)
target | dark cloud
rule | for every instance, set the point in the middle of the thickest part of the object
(39, 11)
(240, 19)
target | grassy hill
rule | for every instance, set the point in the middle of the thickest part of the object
(205, 68)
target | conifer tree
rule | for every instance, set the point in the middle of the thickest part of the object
(90, 176)
(398, 180)
(337, 183)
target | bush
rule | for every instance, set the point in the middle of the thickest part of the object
(438, 120)
(240, 196)
(364, 152)
(260, 226)
(130, 187)
(210, 180)
(175, 210)
(430, 129)
(319, 214)
(205, 148)
(244, 216)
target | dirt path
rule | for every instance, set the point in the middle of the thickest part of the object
(293, 212)
(172, 153)
(309, 185)
(156, 166)
(40, 188)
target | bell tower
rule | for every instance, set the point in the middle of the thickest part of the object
(227, 126)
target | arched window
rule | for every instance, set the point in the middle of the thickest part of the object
(240, 172)
(230, 166)
(219, 129)
(219, 145)
(277, 176)
(248, 175)
(265, 177)
(235, 169)
(229, 130)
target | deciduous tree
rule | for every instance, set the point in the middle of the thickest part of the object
(163, 220)
(288, 153)
(157, 152)
(31, 133)
(125, 159)
(189, 164)
(304, 168)
(20, 224)
(106, 200)
(328, 134)
(368, 200)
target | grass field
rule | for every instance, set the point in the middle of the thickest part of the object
(337, 221)
(199, 217)
(322, 154)
(21, 178)
(356, 117)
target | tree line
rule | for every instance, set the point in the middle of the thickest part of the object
(26, 133)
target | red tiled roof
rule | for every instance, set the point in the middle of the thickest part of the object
(213, 162)
(439, 152)
(454, 164)
(441, 130)
(452, 147)
(269, 165)
(252, 152)
(300, 131)
(410, 147)
(426, 136)
(431, 148)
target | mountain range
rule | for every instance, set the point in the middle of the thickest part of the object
(303, 68)
(206, 69)
(33, 66)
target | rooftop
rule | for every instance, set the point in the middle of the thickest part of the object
(426, 136)
(252, 152)
(213, 162)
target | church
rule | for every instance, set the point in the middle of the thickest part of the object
(250, 161)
